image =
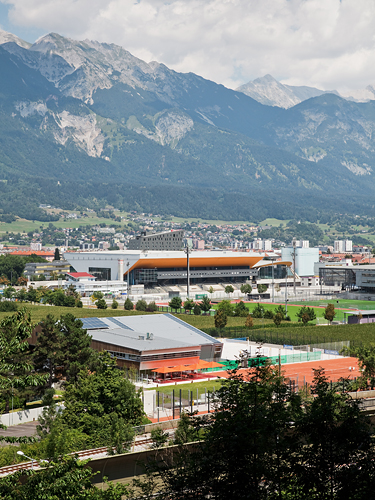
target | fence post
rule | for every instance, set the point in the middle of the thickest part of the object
(173, 403)
(158, 405)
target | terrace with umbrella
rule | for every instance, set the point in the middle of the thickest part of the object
(186, 371)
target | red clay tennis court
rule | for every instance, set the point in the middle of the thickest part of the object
(303, 372)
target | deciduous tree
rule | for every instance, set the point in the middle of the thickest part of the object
(16, 368)
(329, 312)
(226, 307)
(220, 319)
(306, 314)
(66, 479)
(246, 288)
(262, 288)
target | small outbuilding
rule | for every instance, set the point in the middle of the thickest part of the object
(359, 317)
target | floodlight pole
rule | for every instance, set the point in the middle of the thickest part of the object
(188, 271)
(286, 290)
(294, 266)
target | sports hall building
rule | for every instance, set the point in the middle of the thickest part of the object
(148, 342)
(156, 268)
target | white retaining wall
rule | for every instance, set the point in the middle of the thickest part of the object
(21, 417)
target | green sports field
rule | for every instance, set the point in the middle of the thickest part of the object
(342, 303)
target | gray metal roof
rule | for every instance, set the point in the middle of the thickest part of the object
(167, 331)
(132, 340)
(365, 312)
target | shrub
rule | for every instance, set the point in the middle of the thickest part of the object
(197, 309)
(159, 438)
(278, 318)
(152, 307)
(280, 309)
(141, 305)
(175, 303)
(258, 311)
(79, 303)
(249, 321)
(205, 305)
(69, 301)
(6, 306)
(114, 304)
(241, 310)
(101, 304)
(268, 314)
(188, 305)
(128, 305)
(226, 307)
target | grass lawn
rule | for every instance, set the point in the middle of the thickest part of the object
(341, 303)
(39, 312)
(24, 226)
(364, 333)
(210, 386)
(208, 321)
(274, 222)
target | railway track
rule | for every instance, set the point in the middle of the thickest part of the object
(11, 469)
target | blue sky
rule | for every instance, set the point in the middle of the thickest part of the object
(27, 33)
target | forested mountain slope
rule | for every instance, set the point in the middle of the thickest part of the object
(88, 123)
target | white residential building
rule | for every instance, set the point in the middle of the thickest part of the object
(302, 244)
(343, 246)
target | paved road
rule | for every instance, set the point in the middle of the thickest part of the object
(28, 429)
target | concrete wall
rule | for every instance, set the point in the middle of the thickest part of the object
(21, 417)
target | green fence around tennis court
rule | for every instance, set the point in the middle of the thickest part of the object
(285, 359)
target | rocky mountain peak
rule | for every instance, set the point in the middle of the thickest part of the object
(267, 90)
(6, 37)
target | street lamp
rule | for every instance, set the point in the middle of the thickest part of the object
(32, 460)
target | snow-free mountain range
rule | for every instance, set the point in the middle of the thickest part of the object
(86, 122)
(269, 91)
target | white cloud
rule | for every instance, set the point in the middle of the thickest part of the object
(324, 43)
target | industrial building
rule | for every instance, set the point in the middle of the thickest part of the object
(165, 240)
(348, 276)
(156, 268)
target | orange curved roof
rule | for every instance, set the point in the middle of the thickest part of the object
(195, 262)
(274, 263)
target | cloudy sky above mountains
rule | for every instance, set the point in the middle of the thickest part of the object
(329, 44)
